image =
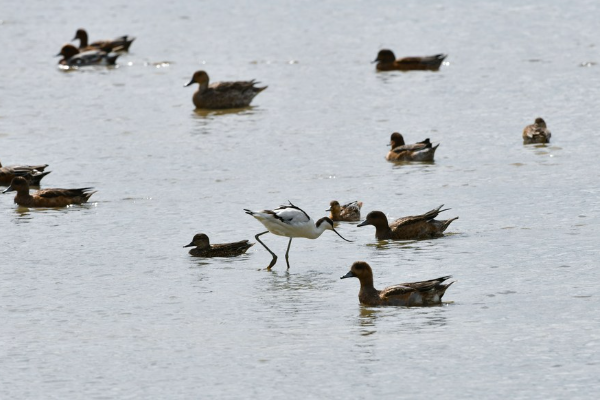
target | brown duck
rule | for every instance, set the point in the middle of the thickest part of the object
(222, 95)
(347, 212)
(33, 173)
(386, 61)
(121, 43)
(72, 57)
(424, 293)
(205, 249)
(408, 228)
(536, 133)
(47, 197)
(420, 151)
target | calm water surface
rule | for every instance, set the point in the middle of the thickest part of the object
(101, 301)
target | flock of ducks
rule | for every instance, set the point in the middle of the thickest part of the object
(287, 220)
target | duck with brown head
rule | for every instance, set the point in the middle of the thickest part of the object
(203, 248)
(222, 95)
(72, 57)
(122, 43)
(408, 228)
(423, 293)
(537, 132)
(47, 197)
(420, 151)
(347, 212)
(33, 173)
(386, 61)
(292, 222)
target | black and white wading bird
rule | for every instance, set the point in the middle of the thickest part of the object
(292, 222)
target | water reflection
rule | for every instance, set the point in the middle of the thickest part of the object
(209, 114)
(370, 320)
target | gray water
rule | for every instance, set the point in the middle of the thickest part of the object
(101, 301)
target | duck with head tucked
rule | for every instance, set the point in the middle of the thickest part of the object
(347, 212)
(205, 249)
(121, 43)
(386, 61)
(72, 57)
(47, 197)
(33, 173)
(413, 294)
(408, 228)
(536, 133)
(221, 95)
(420, 151)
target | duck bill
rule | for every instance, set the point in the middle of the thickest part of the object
(341, 235)
(363, 223)
(350, 274)
(329, 209)
(189, 83)
(374, 61)
(8, 189)
(189, 245)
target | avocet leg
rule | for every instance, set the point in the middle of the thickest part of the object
(287, 253)
(274, 260)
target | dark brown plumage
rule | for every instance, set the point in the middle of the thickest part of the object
(205, 249)
(536, 133)
(33, 173)
(424, 293)
(420, 151)
(347, 212)
(408, 228)
(386, 61)
(47, 197)
(221, 95)
(122, 43)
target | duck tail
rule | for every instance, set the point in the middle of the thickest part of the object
(441, 56)
(447, 223)
(35, 179)
(442, 288)
(111, 58)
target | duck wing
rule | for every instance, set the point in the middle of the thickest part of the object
(404, 288)
(238, 86)
(53, 193)
(417, 218)
(413, 147)
(232, 246)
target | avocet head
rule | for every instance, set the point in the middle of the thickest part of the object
(328, 224)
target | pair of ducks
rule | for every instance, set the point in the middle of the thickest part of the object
(32, 173)
(222, 95)
(47, 197)
(103, 52)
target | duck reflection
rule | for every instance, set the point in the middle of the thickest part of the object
(404, 319)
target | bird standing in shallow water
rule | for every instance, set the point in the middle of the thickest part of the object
(221, 95)
(424, 293)
(536, 133)
(290, 221)
(205, 249)
(408, 228)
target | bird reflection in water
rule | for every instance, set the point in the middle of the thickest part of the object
(404, 319)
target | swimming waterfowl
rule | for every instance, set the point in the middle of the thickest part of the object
(536, 133)
(386, 61)
(347, 212)
(290, 221)
(121, 43)
(424, 293)
(408, 228)
(33, 173)
(222, 95)
(72, 57)
(205, 249)
(420, 151)
(47, 197)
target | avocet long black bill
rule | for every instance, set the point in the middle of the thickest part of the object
(341, 235)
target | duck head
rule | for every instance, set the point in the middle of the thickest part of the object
(18, 184)
(68, 51)
(360, 270)
(396, 140)
(540, 122)
(375, 218)
(199, 77)
(385, 56)
(200, 240)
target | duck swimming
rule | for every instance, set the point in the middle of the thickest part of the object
(424, 293)
(205, 249)
(121, 43)
(420, 151)
(221, 95)
(72, 57)
(33, 173)
(536, 133)
(408, 228)
(386, 61)
(347, 212)
(47, 197)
